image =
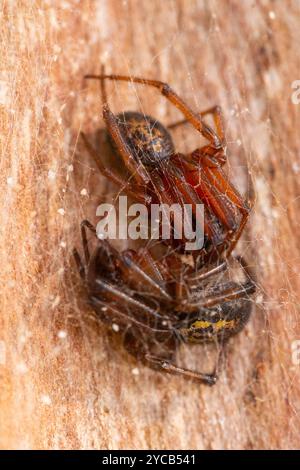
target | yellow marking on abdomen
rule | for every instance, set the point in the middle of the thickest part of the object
(219, 325)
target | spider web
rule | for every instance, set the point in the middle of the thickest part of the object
(250, 134)
(224, 53)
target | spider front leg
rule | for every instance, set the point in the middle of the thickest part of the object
(217, 114)
(194, 119)
(135, 167)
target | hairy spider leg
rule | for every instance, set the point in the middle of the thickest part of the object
(134, 345)
(127, 298)
(191, 282)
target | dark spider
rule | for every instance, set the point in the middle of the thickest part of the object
(137, 292)
(159, 304)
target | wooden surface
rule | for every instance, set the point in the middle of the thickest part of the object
(65, 382)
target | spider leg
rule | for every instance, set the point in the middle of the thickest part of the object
(248, 270)
(216, 176)
(81, 268)
(137, 192)
(135, 167)
(245, 208)
(150, 266)
(163, 361)
(172, 368)
(85, 224)
(130, 267)
(231, 294)
(217, 116)
(196, 190)
(113, 292)
(128, 319)
(231, 291)
(125, 262)
(195, 120)
(199, 276)
(79, 263)
(235, 238)
(214, 183)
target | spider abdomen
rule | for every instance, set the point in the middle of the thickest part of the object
(218, 323)
(148, 140)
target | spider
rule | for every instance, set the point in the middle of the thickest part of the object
(158, 304)
(157, 173)
(136, 292)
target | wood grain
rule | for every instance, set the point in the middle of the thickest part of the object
(65, 382)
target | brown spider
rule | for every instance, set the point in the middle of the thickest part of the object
(156, 173)
(159, 304)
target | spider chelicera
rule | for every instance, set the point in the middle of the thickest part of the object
(158, 304)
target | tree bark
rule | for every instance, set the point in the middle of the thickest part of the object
(65, 380)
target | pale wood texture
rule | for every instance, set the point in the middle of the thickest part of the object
(64, 381)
